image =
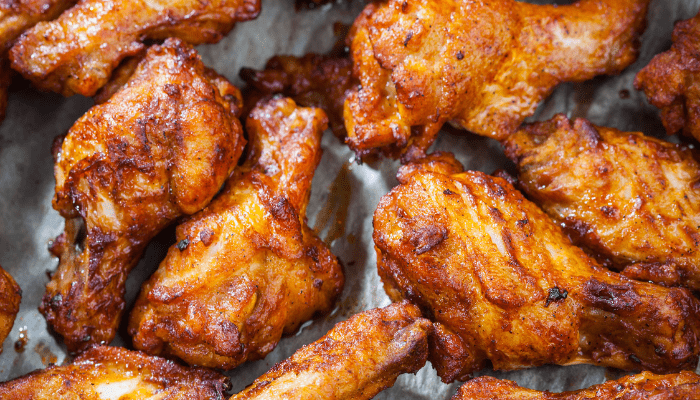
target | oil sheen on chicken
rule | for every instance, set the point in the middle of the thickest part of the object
(504, 284)
(161, 147)
(630, 200)
(247, 269)
(483, 65)
(357, 359)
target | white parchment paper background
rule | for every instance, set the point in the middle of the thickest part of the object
(343, 199)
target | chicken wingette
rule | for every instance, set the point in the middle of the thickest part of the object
(630, 200)
(682, 386)
(483, 65)
(247, 269)
(671, 81)
(504, 285)
(112, 373)
(357, 359)
(10, 296)
(16, 16)
(76, 52)
(161, 147)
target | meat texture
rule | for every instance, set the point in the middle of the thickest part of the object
(630, 200)
(16, 16)
(671, 81)
(312, 81)
(247, 269)
(161, 147)
(646, 385)
(356, 360)
(10, 296)
(504, 284)
(114, 373)
(483, 65)
(77, 52)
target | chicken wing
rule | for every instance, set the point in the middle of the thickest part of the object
(312, 81)
(683, 386)
(625, 197)
(671, 81)
(77, 52)
(160, 148)
(246, 269)
(10, 296)
(103, 373)
(16, 16)
(483, 65)
(357, 359)
(504, 284)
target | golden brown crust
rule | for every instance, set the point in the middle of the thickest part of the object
(77, 52)
(504, 284)
(246, 269)
(16, 16)
(625, 197)
(312, 81)
(110, 373)
(356, 360)
(482, 65)
(161, 147)
(10, 296)
(682, 386)
(671, 81)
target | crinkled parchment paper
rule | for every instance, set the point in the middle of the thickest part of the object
(343, 199)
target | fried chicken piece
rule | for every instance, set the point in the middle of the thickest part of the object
(625, 197)
(357, 359)
(77, 52)
(671, 81)
(247, 269)
(114, 373)
(160, 148)
(312, 81)
(646, 385)
(504, 284)
(16, 16)
(10, 296)
(483, 66)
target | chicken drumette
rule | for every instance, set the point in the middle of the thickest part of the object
(671, 81)
(630, 200)
(161, 147)
(77, 52)
(504, 284)
(483, 65)
(356, 360)
(103, 373)
(682, 386)
(246, 269)
(10, 296)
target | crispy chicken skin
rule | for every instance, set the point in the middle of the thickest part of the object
(671, 81)
(312, 81)
(247, 269)
(628, 199)
(10, 296)
(504, 284)
(18, 15)
(357, 359)
(161, 147)
(110, 373)
(682, 386)
(483, 65)
(77, 52)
